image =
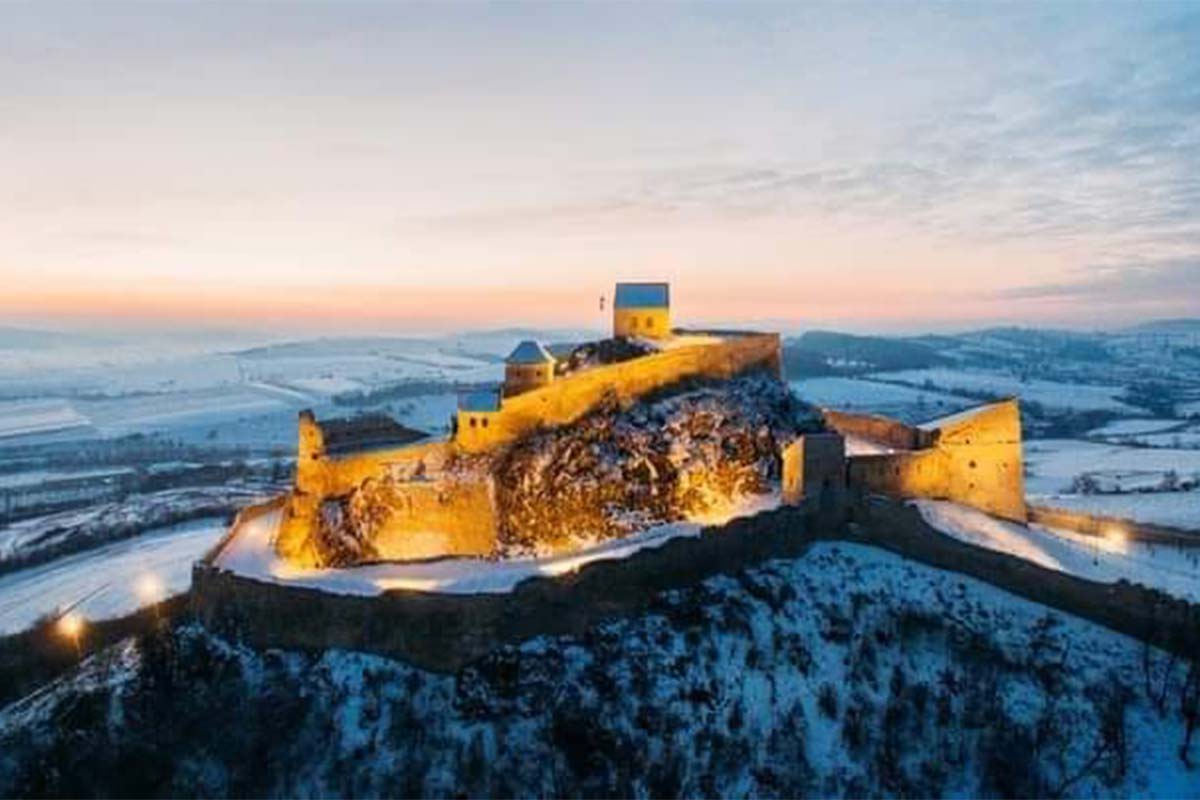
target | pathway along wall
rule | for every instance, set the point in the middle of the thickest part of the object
(444, 632)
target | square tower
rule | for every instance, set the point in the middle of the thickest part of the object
(642, 309)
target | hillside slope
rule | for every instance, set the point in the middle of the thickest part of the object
(846, 672)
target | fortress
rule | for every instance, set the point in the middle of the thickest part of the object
(435, 507)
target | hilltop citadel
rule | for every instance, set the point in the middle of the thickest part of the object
(434, 508)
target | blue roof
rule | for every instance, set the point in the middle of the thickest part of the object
(529, 352)
(642, 295)
(479, 401)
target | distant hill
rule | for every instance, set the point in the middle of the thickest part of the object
(33, 339)
(829, 353)
(1176, 326)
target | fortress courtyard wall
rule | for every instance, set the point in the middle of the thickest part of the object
(975, 458)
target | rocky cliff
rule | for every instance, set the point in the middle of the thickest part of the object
(683, 455)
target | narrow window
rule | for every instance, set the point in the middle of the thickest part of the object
(472, 422)
(485, 422)
(633, 323)
(649, 323)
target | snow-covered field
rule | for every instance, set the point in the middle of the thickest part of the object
(1052, 394)
(867, 396)
(1052, 464)
(110, 581)
(1177, 509)
(251, 553)
(28, 417)
(1174, 570)
(1132, 427)
(38, 536)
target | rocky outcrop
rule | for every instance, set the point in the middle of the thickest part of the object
(680, 456)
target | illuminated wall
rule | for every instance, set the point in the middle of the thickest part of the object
(520, 378)
(813, 464)
(570, 397)
(648, 323)
(974, 458)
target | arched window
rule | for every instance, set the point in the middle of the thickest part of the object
(473, 422)
(484, 422)
(633, 323)
(649, 323)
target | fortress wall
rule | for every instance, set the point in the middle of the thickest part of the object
(439, 518)
(570, 398)
(975, 459)
(813, 464)
(890, 432)
(444, 632)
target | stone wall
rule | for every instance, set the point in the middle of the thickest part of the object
(882, 430)
(813, 465)
(445, 632)
(320, 477)
(974, 458)
(568, 399)
(443, 517)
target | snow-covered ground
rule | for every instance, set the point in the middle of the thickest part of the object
(251, 552)
(1052, 464)
(801, 677)
(1177, 509)
(110, 581)
(28, 417)
(1132, 427)
(867, 396)
(1175, 570)
(1052, 394)
(1176, 433)
(38, 536)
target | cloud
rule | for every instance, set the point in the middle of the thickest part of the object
(1177, 279)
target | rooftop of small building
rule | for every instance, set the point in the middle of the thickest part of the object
(365, 432)
(642, 295)
(529, 352)
(479, 401)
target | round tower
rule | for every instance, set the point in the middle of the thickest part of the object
(529, 366)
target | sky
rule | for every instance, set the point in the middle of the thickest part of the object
(397, 167)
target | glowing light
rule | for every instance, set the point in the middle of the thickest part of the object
(1114, 539)
(149, 588)
(70, 625)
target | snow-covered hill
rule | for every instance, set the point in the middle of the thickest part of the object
(847, 672)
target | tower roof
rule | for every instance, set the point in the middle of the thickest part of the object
(479, 401)
(529, 352)
(642, 295)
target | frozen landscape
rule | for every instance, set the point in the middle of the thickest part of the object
(102, 441)
(845, 672)
(115, 481)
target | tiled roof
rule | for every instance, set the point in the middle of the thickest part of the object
(365, 432)
(529, 352)
(643, 295)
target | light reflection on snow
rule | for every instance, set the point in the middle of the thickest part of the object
(251, 552)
